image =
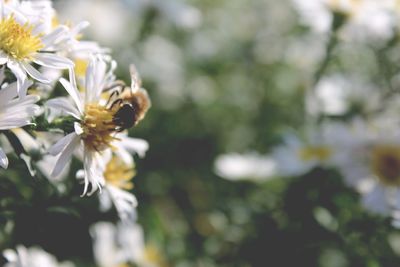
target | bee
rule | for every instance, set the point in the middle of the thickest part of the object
(129, 104)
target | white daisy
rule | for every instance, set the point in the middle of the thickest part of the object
(118, 173)
(24, 42)
(31, 257)
(372, 166)
(319, 147)
(96, 129)
(15, 112)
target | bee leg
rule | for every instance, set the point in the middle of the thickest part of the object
(115, 93)
(118, 101)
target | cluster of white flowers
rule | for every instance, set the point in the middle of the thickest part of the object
(351, 124)
(90, 121)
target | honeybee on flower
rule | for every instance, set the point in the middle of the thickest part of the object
(98, 121)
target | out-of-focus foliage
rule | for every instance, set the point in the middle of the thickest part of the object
(223, 76)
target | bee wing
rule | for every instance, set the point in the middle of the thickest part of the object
(136, 82)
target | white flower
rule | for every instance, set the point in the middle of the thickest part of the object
(92, 133)
(118, 245)
(118, 173)
(15, 112)
(250, 166)
(372, 165)
(24, 42)
(365, 18)
(96, 130)
(337, 94)
(39, 143)
(319, 147)
(31, 257)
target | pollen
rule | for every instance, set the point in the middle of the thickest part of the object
(98, 127)
(17, 40)
(119, 174)
(315, 153)
(385, 163)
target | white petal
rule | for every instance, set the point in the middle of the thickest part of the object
(3, 159)
(78, 28)
(53, 61)
(62, 103)
(94, 169)
(3, 58)
(8, 93)
(34, 73)
(20, 73)
(61, 144)
(54, 35)
(17, 69)
(95, 75)
(78, 128)
(124, 202)
(73, 92)
(65, 155)
(135, 145)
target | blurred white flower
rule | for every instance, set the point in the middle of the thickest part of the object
(108, 19)
(319, 147)
(337, 94)
(365, 19)
(15, 112)
(118, 173)
(118, 245)
(372, 165)
(31, 257)
(249, 166)
(39, 144)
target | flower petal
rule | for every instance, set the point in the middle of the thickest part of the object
(73, 92)
(58, 147)
(62, 103)
(65, 155)
(53, 61)
(34, 73)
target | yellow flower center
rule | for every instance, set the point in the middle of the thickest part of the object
(321, 153)
(17, 41)
(385, 161)
(119, 174)
(80, 67)
(98, 127)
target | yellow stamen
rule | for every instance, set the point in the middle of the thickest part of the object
(119, 174)
(385, 161)
(17, 40)
(98, 127)
(315, 153)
